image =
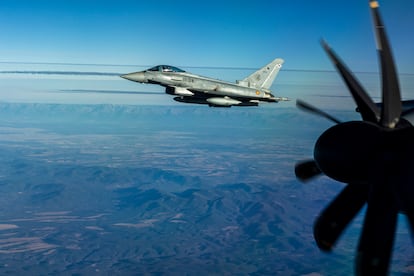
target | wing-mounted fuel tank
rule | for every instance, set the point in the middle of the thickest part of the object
(222, 101)
(180, 91)
(214, 101)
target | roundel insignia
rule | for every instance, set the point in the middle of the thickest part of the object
(257, 92)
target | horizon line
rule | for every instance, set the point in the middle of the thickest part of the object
(148, 66)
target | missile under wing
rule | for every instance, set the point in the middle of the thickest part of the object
(191, 88)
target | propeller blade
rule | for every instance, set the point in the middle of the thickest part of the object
(410, 218)
(334, 219)
(391, 98)
(306, 170)
(309, 108)
(377, 238)
(368, 109)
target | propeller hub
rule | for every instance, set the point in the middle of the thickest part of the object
(345, 152)
(356, 151)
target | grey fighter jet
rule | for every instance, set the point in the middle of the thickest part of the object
(190, 88)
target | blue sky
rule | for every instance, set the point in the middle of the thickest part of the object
(237, 34)
(201, 33)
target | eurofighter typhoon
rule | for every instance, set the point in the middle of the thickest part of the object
(191, 88)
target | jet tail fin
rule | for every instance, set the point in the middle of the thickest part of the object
(264, 77)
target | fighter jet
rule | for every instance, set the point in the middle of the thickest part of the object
(191, 88)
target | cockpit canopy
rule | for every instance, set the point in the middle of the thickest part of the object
(166, 68)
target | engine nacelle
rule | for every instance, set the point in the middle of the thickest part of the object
(180, 91)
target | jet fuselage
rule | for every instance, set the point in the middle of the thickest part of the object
(191, 88)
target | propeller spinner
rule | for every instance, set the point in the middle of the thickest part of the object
(374, 158)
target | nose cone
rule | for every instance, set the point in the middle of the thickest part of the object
(137, 76)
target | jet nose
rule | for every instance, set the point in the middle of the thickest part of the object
(137, 76)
